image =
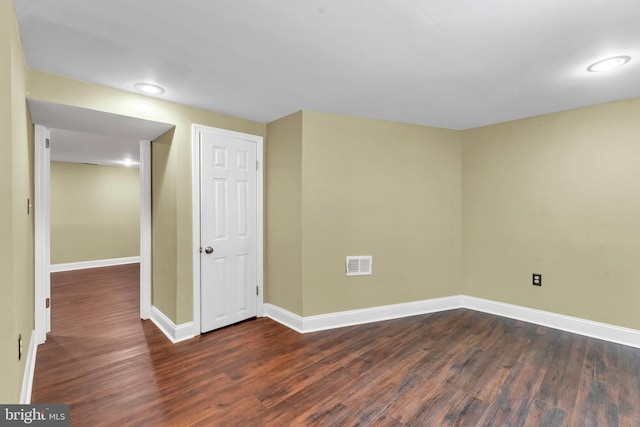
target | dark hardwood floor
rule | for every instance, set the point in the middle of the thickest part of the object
(458, 367)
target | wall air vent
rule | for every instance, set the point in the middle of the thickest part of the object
(359, 265)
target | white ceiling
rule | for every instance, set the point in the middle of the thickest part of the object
(79, 135)
(449, 63)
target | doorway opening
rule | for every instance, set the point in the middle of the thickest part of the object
(134, 134)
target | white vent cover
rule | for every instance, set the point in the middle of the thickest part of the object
(359, 265)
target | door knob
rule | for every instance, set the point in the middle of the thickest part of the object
(208, 249)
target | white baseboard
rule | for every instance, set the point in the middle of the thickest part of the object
(576, 325)
(357, 317)
(29, 370)
(287, 318)
(603, 331)
(175, 333)
(93, 264)
(375, 314)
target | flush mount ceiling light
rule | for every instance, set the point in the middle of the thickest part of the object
(608, 64)
(149, 88)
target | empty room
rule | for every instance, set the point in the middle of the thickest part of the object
(415, 213)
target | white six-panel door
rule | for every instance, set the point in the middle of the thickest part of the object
(228, 230)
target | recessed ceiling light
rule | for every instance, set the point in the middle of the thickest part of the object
(609, 63)
(128, 162)
(149, 88)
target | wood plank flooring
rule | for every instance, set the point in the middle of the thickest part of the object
(458, 367)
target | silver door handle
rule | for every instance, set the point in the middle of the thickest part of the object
(208, 249)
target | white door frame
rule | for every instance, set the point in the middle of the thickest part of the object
(145, 230)
(42, 231)
(42, 226)
(195, 202)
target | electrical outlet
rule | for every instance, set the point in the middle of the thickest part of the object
(537, 279)
(19, 346)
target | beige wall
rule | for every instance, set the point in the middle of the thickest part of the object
(178, 216)
(95, 212)
(557, 195)
(283, 211)
(16, 221)
(390, 190)
(353, 186)
(163, 230)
